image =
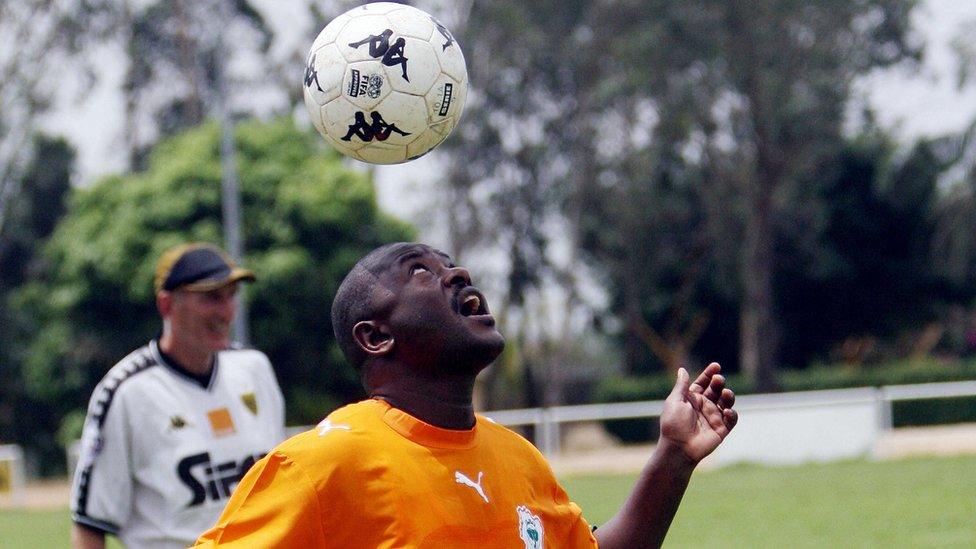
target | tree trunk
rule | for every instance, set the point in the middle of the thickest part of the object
(757, 330)
(757, 324)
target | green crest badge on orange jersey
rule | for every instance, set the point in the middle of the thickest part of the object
(251, 401)
(530, 528)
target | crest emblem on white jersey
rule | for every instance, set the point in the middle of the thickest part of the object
(530, 528)
(326, 426)
(461, 478)
(251, 401)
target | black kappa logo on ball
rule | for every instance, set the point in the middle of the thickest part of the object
(312, 75)
(378, 129)
(380, 48)
(445, 33)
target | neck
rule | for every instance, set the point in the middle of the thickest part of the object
(444, 401)
(199, 363)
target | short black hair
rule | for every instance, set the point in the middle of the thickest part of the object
(355, 299)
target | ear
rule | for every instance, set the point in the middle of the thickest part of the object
(373, 338)
(164, 303)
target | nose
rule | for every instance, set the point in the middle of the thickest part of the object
(456, 276)
(228, 306)
(224, 302)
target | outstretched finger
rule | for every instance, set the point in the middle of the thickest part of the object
(681, 384)
(704, 379)
(712, 414)
(727, 400)
(715, 388)
(730, 417)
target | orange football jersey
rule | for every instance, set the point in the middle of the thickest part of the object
(372, 476)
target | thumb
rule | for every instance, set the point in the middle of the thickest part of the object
(681, 384)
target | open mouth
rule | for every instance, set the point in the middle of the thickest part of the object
(470, 302)
(218, 329)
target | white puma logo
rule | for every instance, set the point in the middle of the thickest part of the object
(461, 478)
(326, 425)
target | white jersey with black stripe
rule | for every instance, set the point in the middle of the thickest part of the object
(161, 453)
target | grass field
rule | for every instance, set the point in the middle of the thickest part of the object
(910, 503)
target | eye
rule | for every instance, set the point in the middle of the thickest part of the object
(418, 267)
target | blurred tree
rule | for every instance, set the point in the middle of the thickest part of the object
(956, 236)
(654, 217)
(789, 66)
(32, 216)
(174, 59)
(955, 246)
(42, 41)
(663, 138)
(306, 221)
(865, 275)
(511, 170)
(964, 46)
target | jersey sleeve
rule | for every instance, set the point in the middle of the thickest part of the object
(574, 530)
(275, 505)
(580, 533)
(278, 400)
(101, 492)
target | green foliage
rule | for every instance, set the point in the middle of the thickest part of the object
(306, 220)
(863, 266)
(32, 215)
(654, 134)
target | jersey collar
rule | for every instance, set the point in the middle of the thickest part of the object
(204, 382)
(423, 433)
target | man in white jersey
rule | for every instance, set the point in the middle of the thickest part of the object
(174, 426)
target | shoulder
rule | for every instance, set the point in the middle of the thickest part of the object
(244, 353)
(516, 444)
(119, 381)
(518, 451)
(126, 373)
(341, 438)
(246, 358)
(496, 430)
(335, 455)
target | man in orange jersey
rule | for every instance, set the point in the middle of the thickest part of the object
(414, 466)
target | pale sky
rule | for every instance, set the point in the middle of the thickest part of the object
(923, 104)
(927, 103)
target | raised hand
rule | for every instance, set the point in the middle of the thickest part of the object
(698, 416)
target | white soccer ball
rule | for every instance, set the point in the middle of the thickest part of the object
(385, 83)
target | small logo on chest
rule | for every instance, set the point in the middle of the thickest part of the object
(461, 478)
(530, 528)
(221, 422)
(250, 400)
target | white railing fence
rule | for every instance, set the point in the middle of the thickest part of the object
(855, 417)
(773, 428)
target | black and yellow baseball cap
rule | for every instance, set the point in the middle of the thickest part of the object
(197, 267)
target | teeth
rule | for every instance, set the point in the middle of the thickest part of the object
(471, 305)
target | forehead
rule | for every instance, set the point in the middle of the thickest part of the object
(201, 295)
(390, 257)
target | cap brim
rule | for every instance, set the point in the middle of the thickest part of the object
(236, 275)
